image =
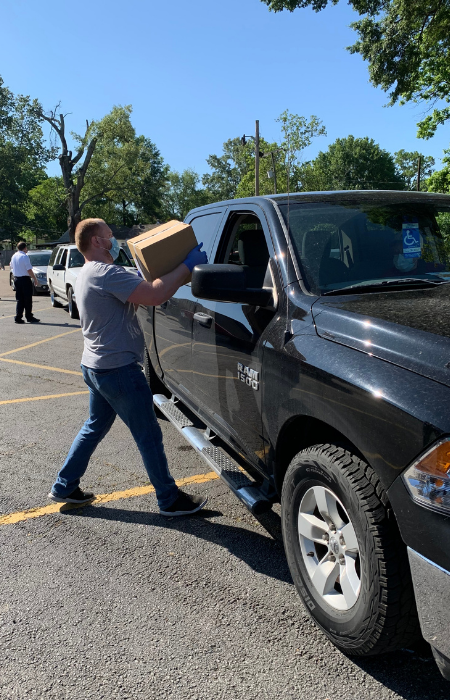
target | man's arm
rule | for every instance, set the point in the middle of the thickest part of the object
(160, 290)
(33, 276)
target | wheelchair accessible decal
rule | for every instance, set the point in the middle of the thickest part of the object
(412, 241)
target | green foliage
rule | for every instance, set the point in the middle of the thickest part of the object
(407, 163)
(45, 209)
(183, 194)
(439, 181)
(228, 169)
(351, 164)
(406, 43)
(126, 177)
(23, 155)
(233, 173)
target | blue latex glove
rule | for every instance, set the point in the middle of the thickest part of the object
(196, 257)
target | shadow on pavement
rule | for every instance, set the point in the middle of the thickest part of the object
(260, 553)
(410, 673)
(61, 325)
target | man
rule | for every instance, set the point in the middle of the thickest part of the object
(22, 270)
(113, 349)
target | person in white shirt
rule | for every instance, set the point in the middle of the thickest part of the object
(22, 270)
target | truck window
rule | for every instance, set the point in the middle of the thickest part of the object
(76, 258)
(122, 259)
(205, 228)
(63, 258)
(244, 243)
(53, 256)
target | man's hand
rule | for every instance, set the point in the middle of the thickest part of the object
(196, 257)
(34, 278)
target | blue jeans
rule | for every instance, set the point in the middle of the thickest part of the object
(124, 392)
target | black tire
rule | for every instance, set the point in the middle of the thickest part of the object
(53, 300)
(73, 308)
(154, 382)
(384, 616)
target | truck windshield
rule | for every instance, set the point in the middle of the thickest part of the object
(341, 244)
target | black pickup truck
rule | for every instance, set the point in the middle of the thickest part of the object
(309, 363)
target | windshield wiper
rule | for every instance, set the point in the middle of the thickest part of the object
(398, 281)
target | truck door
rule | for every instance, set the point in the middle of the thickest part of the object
(174, 318)
(58, 276)
(227, 349)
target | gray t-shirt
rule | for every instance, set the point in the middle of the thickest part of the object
(112, 335)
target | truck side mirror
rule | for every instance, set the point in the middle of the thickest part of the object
(59, 267)
(227, 283)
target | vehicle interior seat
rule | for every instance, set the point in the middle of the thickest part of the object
(254, 256)
(376, 256)
(319, 266)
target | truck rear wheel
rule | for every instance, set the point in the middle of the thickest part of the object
(345, 555)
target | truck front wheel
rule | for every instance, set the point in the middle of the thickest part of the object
(53, 300)
(345, 554)
(73, 308)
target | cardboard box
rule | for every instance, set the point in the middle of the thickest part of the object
(162, 249)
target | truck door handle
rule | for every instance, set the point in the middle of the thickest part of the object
(203, 319)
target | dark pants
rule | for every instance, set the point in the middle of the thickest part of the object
(24, 296)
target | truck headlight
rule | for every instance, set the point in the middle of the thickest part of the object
(428, 479)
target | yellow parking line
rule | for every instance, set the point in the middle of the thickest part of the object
(46, 340)
(22, 515)
(13, 316)
(32, 364)
(42, 398)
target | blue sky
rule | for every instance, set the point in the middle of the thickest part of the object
(200, 72)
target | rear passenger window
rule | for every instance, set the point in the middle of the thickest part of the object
(205, 228)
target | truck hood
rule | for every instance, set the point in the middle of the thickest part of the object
(409, 328)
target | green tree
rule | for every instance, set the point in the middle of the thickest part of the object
(439, 181)
(233, 173)
(228, 169)
(115, 174)
(351, 164)
(183, 194)
(46, 210)
(406, 43)
(23, 156)
(407, 165)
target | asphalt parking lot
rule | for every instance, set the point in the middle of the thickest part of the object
(113, 601)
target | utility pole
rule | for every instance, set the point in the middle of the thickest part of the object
(419, 162)
(257, 158)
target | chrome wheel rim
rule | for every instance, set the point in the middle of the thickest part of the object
(329, 548)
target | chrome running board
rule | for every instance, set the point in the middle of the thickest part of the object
(235, 478)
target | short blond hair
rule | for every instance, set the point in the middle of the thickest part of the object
(84, 232)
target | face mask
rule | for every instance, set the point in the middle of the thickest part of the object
(115, 248)
(404, 264)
